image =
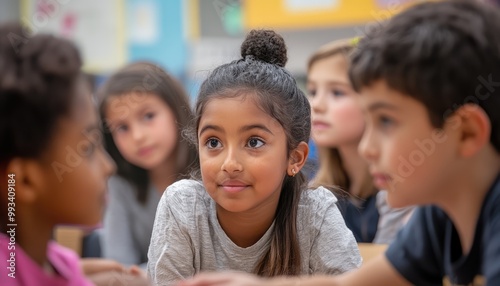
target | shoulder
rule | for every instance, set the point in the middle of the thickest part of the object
(66, 262)
(490, 213)
(186, 188)
(314, 205)
(431, 218)
(319, 197)
(62, 254)
(185, 195)
(426, 227)
(490, 210)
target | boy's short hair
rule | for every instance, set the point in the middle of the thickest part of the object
(443, 54)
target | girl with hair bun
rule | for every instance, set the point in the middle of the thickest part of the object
(250, 209)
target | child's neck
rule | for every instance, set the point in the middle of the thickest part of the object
(163, 176)
(465, 198)
(245, 229)
(33, 236)
(356, 168)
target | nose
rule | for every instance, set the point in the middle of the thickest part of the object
(367, 147)
(231, 162)
(108, 165)
(137, 133)
(318, 103)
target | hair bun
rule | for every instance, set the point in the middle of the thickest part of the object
(266, 46)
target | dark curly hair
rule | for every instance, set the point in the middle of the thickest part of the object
(444, 54)
(39, 79)
(260, 72)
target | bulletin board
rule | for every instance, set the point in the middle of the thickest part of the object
(97, 27)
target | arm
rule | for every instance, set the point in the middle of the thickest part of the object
(117, 237)
(108, 272)
(118, 279)
(95, 265)
(377, 272)
(170, 255)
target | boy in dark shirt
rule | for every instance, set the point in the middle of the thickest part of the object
(430, 89)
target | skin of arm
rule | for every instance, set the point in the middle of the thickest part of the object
(377, 272)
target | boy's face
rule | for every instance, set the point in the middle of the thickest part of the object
(409, 157)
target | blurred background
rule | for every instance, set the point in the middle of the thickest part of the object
(191, 37)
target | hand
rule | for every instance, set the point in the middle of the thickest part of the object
(223, 279)
(92, 266)
(118, 279)
(105, 272)
(136, 271)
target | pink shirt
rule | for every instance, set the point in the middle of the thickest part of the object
(14, 262)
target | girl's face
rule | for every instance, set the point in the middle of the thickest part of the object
(76, 170)
(143, 128)
(336, 117)
(243, 155)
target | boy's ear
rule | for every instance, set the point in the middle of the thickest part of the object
(298, 158)
(475, 129)
(29, 179)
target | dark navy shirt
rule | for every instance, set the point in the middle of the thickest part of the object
(362, 220)
(428, 248)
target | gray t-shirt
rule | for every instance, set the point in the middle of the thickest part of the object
(391, 220)
(187, 237)
(128, 224)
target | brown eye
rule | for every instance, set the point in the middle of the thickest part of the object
(213, 143)
(255, 143)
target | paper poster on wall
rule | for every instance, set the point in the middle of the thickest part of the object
(143, 21)
(95, 26)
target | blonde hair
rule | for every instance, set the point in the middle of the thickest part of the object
(331, 172)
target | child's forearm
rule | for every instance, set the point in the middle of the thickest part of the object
(117, 278)
(303, 281)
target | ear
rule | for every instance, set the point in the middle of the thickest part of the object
(474, 130)
(298, 158)
(29, 178)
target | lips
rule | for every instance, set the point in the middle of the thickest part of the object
(381, 180)
(317, 124)
(145, 151)
(233, 186)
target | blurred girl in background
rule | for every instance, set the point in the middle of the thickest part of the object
(143, 109)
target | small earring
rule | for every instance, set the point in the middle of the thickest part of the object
(293, 172)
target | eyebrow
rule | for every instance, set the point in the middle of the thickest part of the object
(145, 107)
(243, 129)
(256, 126)
(331, 82)
(210, 127)
(381, 105)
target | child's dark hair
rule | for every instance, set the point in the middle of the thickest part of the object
(38, 84)
(147, 78)
(443, 54)
(260, 74)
